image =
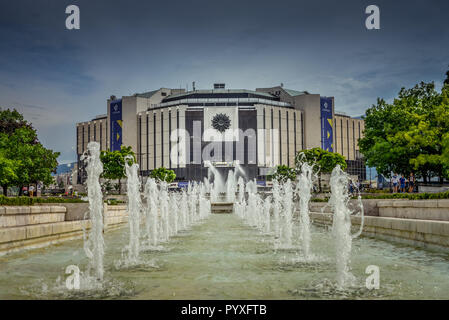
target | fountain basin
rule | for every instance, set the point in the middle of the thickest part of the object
(224, 259)
(422, 233)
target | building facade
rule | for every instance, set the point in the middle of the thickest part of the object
(251, 131)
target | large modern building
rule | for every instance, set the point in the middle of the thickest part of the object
(187, 131)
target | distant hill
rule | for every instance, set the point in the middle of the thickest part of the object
(64, 168)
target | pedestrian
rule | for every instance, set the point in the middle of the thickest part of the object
(31, 191)
(411, 183)
(394, 181)
(402, 182)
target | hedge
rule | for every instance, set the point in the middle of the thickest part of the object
(28, 201)
(408, 196)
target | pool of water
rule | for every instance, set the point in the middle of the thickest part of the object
(222, 258)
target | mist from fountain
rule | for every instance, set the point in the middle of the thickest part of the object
(94, 246)
(277, 206)
(204, 202)
(287, 215)
(341, 227)
(238, 169)
(267, 214)
(251, 211)
(231, 186)
(184, 209)
(172, 213)
(151, 212)
(192, 203)
(164, 230)
(134, 209)
(304, 192)
(241, 190)
(218, 186)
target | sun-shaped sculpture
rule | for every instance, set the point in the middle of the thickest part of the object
(221, 122)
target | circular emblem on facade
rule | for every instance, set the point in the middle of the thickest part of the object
(221, 122)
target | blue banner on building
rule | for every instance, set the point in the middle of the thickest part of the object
(327, 135)
(183, 184)
(116, 124)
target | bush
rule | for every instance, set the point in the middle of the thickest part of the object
(376, 190)
(28, 201)
(163, 174)
(410, 196)
(114, 202)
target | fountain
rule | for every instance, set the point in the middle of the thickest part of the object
(184, 209)
(276, 190)
(267, 214)
(218, 186)
(241, 192)
(230, 187)
(231, 242)
(151, 212)
(304, 191)
(341, 227)
(287, 215)
(165, 224)
(134, 209)
(94, 246)
(172, 213)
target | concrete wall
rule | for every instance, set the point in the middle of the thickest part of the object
(369, 206)
(417, 222)
(423, 233)
(415, 209)
(310, 104)
(38, 226)
(347, 132)
(398, 208)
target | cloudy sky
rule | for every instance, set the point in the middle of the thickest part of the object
(58, 77)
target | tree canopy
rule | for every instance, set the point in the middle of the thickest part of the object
(114, 163)
(284, 173)
(163, 174)
(23, 159)
(409, 135)
(321, 160)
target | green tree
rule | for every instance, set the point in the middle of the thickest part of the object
(24, 160)
(284, 173)
(446, 81)
(163, 174)
(8, 169)
(322, 161)
(408, 135)
(114, 164)
(10, 120)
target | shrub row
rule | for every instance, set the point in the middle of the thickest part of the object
(28, 201)
(410, 196)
